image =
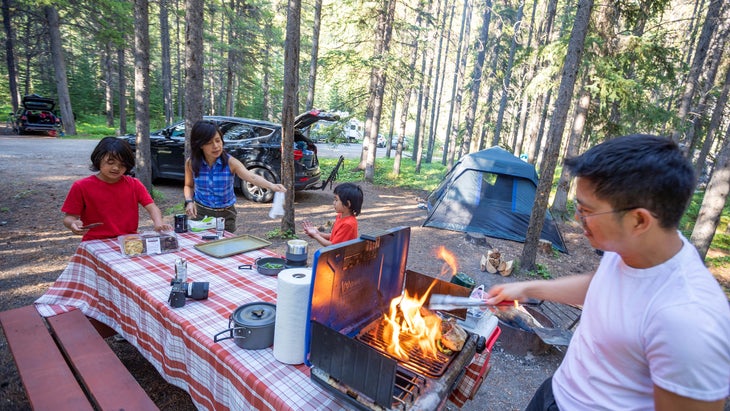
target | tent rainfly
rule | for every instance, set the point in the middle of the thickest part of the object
(490, 192)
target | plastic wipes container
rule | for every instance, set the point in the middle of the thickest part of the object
(132, 245)
(207, 223)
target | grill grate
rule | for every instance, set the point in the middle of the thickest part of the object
(407, 389)
(418, 361)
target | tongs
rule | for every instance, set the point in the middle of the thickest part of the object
(443, 302)
(553, 336)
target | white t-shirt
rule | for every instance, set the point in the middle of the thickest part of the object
(667, 325)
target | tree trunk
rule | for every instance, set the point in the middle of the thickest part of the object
(10, 56)
(439, 79)
(180, 66)
(165, 63)
(423, 105)
(266, 82)
(377, 84)
(559, 208)
(464, 42)
(408, 93)
(143, 168)
(709, 73)
(452, 128)
(59, 68)
(492, 84)
(711, 21)
(476, 77)
(290, 105)
(700, 165)
(555, 132)
(108, 93)
(393, 109)
(714, 201)
(122, 75)
(508, 75)
(193, 67)
(314, 54)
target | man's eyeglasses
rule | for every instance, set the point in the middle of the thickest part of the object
(583, 217)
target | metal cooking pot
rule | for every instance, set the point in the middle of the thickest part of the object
(253, 326)
(296, 247)
(264, 265)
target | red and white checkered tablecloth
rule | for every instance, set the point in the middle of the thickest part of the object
(130, 295)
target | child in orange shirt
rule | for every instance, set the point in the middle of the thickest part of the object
(347, 203)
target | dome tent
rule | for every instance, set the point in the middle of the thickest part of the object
(489, 192)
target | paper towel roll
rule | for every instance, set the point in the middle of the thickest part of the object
(292, 306)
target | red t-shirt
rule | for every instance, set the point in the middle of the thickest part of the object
(114, 205)
(344, 229)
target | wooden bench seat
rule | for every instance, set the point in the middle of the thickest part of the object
(67, 365)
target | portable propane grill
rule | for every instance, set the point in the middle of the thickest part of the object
(353, 285)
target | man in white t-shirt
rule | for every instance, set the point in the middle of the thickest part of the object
(655, 327)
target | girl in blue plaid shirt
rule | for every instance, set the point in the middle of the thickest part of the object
(209, 175)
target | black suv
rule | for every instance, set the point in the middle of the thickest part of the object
(256, 143)
(36, 114)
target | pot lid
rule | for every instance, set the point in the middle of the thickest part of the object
(254, 315)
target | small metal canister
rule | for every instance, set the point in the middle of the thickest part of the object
(220, 226)
(181, 223)
(181, 270)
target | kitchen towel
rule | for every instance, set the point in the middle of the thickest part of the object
(292, 309)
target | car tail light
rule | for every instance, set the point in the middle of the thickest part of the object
(298, 154)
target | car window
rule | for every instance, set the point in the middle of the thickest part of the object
(178, 130)
(238, 132)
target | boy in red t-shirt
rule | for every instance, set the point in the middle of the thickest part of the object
(105, 205)
(347, 203)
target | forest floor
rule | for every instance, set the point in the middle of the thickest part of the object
(36, 173)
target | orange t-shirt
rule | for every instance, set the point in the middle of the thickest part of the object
(344, 229)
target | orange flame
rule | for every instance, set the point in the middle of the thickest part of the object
(450, 266)
(408, 327)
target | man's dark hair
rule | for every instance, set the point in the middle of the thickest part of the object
(203, 131)
(117, 148)
(351, 196)
(639, 171)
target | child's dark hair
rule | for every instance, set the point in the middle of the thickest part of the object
(117, 149)
(203, 131)
(351, 196)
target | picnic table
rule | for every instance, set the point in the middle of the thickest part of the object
(130, 295)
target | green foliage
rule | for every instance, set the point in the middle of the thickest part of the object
(23, 194)
(157, 195)
(429, 178)
(283, 235)
(540, 271)
(331, 132)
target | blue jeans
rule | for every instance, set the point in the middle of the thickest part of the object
(543, 399)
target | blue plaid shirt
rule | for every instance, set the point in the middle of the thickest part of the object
(214, 185)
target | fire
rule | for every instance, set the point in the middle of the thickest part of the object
(450, 266)
(408, 326)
